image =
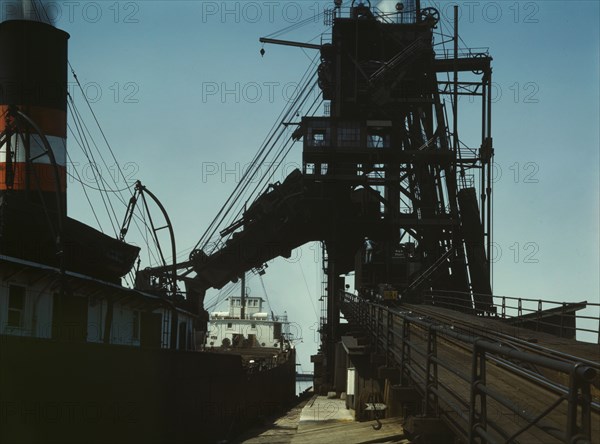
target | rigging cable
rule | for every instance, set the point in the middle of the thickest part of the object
(250, 173)
(281, 154)
(295, 26)
(308, 293)
(262, 182)
(98, 124)
(245, 182)
(78, 179)
(255, 193)
(84, 145)
(117, 192)
(262, 283)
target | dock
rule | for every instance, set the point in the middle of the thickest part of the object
(322, 419)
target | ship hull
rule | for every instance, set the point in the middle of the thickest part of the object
(59, 392)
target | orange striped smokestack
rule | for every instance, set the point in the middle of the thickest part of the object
(33, 81)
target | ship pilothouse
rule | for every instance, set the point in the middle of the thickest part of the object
(246, 325)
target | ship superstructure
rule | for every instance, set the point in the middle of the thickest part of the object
(62, 278)
(248, 328)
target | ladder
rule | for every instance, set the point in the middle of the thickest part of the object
(324, 282)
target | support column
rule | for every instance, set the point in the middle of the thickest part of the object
(333, 312)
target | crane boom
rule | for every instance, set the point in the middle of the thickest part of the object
(289, 43)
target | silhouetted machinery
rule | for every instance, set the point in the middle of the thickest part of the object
(383, 165)
(289, 215)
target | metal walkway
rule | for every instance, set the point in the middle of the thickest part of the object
(487, 383)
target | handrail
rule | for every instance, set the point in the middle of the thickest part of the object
(448, 53)
(520, 311)
(397, 17)
(411, 344)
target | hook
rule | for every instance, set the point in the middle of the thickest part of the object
(378, 425)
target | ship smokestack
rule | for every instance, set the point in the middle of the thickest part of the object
(33, 10)
(33, 83)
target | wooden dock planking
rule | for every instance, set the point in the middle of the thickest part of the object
(335, 432)
(280, 431)
(322, 420)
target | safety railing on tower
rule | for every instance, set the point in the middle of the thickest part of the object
(448, 53)
(397, 16)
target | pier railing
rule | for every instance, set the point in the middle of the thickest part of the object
(457, 371)
(575, 319)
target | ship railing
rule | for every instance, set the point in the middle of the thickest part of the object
(264, 364)
(464, 390)
(579, 319)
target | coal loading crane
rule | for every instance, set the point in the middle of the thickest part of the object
(384, 164)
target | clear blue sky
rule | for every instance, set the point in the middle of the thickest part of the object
(165, 59)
